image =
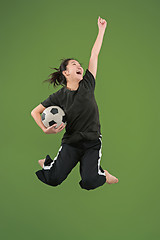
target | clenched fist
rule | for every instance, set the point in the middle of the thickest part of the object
(102, 24)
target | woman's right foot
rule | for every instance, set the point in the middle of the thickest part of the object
(110, 178)
(41, 162)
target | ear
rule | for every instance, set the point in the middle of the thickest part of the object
(64, 73)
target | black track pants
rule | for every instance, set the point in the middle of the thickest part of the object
(88, 153)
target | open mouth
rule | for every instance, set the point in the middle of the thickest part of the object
(79, 72)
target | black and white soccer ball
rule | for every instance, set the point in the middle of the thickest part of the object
(53, 115)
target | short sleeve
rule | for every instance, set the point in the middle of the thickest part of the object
(89, 79)
(50, 101)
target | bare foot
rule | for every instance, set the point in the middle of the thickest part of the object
(41, 161)
(110, 178)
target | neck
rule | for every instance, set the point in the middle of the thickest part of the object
(72, 87)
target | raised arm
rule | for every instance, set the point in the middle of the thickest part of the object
(92, 67)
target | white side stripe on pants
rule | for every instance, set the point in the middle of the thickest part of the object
(48, 167)
(100, 155)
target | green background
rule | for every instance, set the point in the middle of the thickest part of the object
(35, 35)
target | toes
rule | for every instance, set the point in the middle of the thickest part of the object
(116, 180)
(41, 160)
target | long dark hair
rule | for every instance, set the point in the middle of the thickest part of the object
(57, 78)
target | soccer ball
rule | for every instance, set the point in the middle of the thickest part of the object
(53, 115)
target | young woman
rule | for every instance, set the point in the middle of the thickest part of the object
(82, 141)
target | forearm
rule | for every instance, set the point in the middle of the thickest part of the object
(98, 43)
(37, 118)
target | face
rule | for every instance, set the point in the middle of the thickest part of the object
(74, 70)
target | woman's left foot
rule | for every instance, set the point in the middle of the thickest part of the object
(110, 178)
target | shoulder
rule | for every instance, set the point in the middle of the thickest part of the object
(58, 92)
(89, 79)
(89, 74)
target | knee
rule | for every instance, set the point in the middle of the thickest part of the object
(88, 183)
(55, 181)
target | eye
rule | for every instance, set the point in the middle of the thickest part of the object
(79, 64)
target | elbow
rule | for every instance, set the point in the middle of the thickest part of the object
(32, 113)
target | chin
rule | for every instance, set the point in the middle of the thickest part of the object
(81, 77)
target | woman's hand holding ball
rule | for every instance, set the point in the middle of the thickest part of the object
(52, 128)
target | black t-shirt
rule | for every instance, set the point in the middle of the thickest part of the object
(81, 110)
